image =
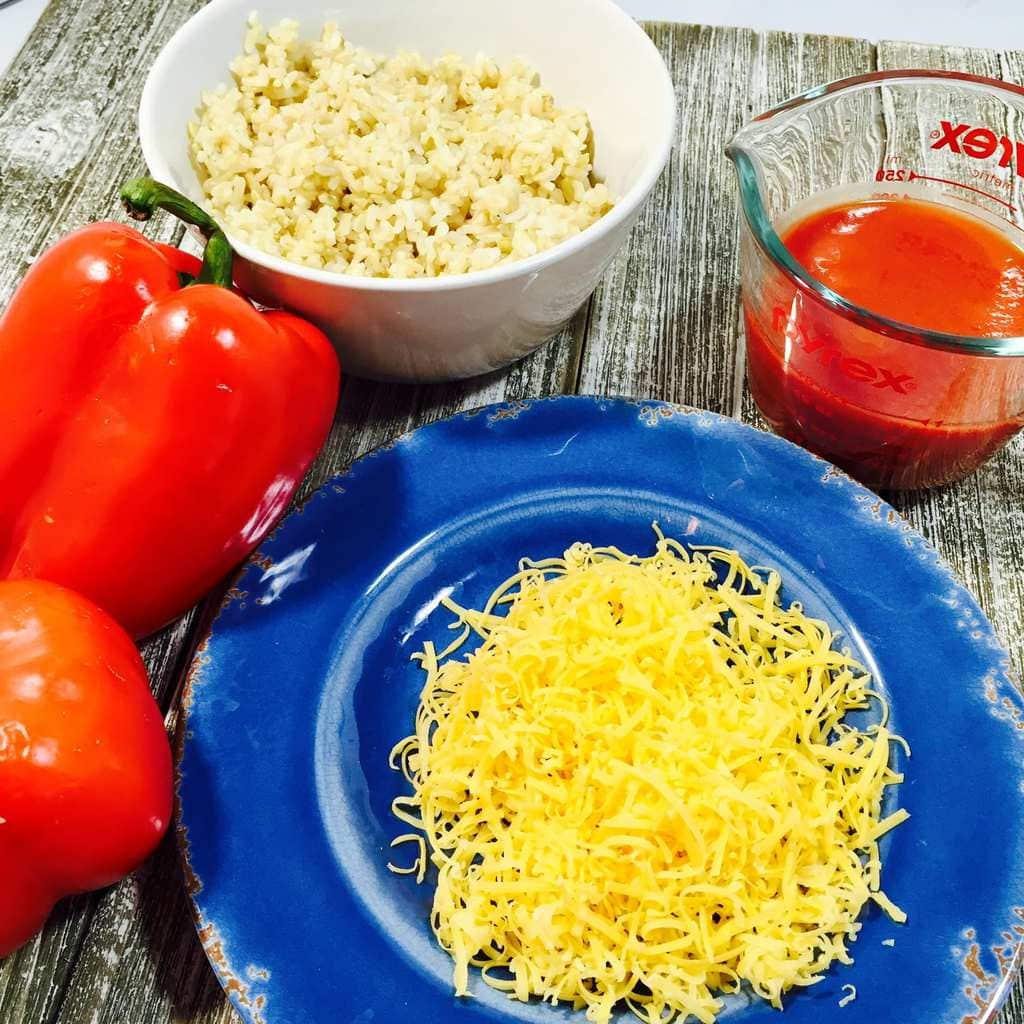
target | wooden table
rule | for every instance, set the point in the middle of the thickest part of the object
(664, 324)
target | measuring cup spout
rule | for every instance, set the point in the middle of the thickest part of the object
(742, 151)
(745, 141)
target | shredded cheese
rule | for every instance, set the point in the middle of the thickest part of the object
(851, 994)
(639, 789)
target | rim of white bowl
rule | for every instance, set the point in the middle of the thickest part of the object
(622, 209)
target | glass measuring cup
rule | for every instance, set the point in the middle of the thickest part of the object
(895, 405)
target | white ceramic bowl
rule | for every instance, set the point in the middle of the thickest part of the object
(589, 54)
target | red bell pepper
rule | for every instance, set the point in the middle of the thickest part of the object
(150, 433)
(85, 766)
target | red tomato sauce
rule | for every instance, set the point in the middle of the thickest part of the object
(891, 413)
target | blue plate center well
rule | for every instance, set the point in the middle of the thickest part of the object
(373, 689)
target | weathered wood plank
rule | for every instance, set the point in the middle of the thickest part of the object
(663, 319)
(664, 324)
(370, 414)
(142, 961)
(33, 981)
(976, 61)
(68, 122)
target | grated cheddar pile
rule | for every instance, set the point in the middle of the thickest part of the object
(639, 789)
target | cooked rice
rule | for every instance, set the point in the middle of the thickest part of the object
(334, 157)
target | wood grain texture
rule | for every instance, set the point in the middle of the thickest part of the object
(664, 323)
(68, 125)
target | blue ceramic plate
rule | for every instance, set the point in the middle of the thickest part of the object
(305, 683)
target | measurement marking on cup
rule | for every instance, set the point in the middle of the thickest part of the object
(914, 176)
(901, 174)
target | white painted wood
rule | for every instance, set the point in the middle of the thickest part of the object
(992, 23)
(664, 324)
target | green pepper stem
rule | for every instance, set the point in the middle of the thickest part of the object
(142, 197)
(216, 261)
